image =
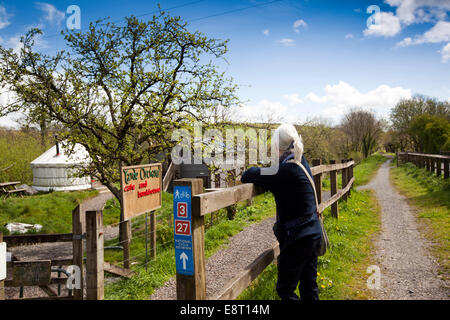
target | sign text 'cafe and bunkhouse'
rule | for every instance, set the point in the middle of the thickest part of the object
(141, 189)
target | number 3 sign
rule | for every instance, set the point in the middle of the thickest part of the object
(182, 209)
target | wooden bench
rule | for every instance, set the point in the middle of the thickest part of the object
(18, 191)
(9, 188)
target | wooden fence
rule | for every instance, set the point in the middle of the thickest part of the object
(86, 225)
(194, 287)
(87, 231)
(435, 163)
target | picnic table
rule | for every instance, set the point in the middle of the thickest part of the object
(9, 188)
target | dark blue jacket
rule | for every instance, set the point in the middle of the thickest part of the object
(294, 195)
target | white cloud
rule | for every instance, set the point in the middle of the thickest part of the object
(293, 99)
(419, 11)
(52, 15)
(315, 98)
(342, 96)
(13, 42)
(16, 45)
(337, 100)
(408, 12)
(349, 36)
(287, 42)
(387, 25)
(446, 53)
(299, 23)
(265, 111)
(266, 32)
(440, 32)
(4, 18)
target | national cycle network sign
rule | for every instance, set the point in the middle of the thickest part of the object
(182, 209)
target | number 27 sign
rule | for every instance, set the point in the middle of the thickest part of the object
(182, 227)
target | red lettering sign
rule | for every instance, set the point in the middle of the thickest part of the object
(148, 192)
(143, 185)
(183, 227)
(129, 188)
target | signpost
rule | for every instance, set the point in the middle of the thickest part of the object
(141, 192)
(189, 238)
(183, 230)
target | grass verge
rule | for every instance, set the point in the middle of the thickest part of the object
(429, 194)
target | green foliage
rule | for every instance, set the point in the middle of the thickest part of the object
(120, 90)
(17, 150)
(363, 131)
(403, 114)
(430, 132)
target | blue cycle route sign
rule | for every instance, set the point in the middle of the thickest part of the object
(182, 222)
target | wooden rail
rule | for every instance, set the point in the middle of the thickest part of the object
(18, 240)
(434, 163)
(194, 287)
(168, 177)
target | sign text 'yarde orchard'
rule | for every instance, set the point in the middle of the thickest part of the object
(141, 189)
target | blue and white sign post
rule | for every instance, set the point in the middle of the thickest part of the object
(182, 210)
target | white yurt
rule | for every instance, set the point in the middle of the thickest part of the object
(54, 170)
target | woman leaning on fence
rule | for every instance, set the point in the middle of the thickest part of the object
(297, 228)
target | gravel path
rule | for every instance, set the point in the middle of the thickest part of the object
(408, 271)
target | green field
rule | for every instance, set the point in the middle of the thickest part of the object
(429, 194)
(51, 210)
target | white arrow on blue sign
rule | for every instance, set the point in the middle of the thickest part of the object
(184, 258)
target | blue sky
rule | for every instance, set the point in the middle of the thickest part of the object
(295, 59)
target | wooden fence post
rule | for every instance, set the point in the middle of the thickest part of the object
(152, 234)
(318, 180)
(349, 176)
(334, 188)
(78, 229)
(2, 282)
(94, 255)
(125, 240)
(446, 163)
(194, 287)
(344, 180)
(438, 167)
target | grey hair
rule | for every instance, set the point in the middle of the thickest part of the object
(287, 138)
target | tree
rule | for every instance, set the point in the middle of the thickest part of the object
(406, 110)
(430, 132)
(363, 130)
(120, 90)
